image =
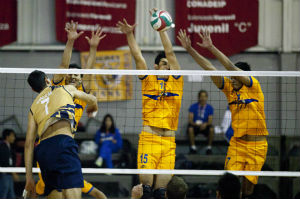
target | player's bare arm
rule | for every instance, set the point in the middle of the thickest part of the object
(201, 61)
(71, 29)
(133, 46)
(93, 41)
(90, 99)
(225, 61)
(29, 146)
(168, 48)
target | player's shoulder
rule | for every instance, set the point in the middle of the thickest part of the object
(193, 106)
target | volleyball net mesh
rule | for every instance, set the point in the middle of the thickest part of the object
(120, 93)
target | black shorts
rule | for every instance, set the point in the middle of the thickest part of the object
(197, 130)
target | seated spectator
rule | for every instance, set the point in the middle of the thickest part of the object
(7, 159)
(229, 187)
(109, 141)
(176, 189)
(200, 122)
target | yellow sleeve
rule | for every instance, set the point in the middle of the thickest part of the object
(226, 86)
(87, 187)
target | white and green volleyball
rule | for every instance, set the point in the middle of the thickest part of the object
(161, 20)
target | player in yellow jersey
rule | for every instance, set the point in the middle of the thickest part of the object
(161, 101)
(52, 118)
(81, 84)
(248, 146)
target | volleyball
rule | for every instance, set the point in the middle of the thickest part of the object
(161, 20)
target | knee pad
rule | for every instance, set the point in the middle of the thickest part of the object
(147, 192)
(159, 193)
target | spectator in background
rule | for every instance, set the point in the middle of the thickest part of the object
(229, 187)
(109, 141)
(200, 121)
(176, 189)
(7, 159)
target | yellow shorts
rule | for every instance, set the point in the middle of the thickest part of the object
(156, 152)
(246, 156)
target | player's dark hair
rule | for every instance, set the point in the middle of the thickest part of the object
(176, 188)
(36, 80)
(6, 133)
(73, 65)
(229, 186)
(202, 91)
(243, 66)
(103, 125)
(160, 56)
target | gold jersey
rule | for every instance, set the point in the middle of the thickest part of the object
(51, 105)
(79, 104)
(161, 101)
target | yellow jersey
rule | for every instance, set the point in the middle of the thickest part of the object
(79, 104)
(247, 108)
(51, 105)
(161, 101)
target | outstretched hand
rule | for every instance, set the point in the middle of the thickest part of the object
(125, 27)
(95, 38)
(184, 39)
(206, 40)
(151, 11)
(71, 29)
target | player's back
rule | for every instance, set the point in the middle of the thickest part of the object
(51, 105)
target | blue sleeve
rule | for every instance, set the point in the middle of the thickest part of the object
(97, 137)
(118, 137)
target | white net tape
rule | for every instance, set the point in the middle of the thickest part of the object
(153, 72)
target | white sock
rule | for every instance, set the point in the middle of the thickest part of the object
(208, 147)
(194, 147)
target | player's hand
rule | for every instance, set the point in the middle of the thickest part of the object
(95, 38)
(151, 11)
(91, 110)
(206, 40)
(30, 187)
(137, 191)
(71, 29)
(125, 27)
(184, 39)
(114, 141)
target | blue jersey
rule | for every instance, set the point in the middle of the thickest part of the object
(201, 112)
(108, 137)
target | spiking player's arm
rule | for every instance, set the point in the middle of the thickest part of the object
(71, 29)
(225, 61)
(201, 61)
(134, 48)
(90, 99)
(93, 41)
(28, 151)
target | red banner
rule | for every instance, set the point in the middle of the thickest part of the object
(233, 23)
(8, 22)
(89, 13)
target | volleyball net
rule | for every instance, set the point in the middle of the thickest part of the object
(120, 93)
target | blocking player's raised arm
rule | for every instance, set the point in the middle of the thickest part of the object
(201, 61)
(71, 29)
(134, 48)
(28, 151)
(225, 61)
(93, 41)
(168, 48)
